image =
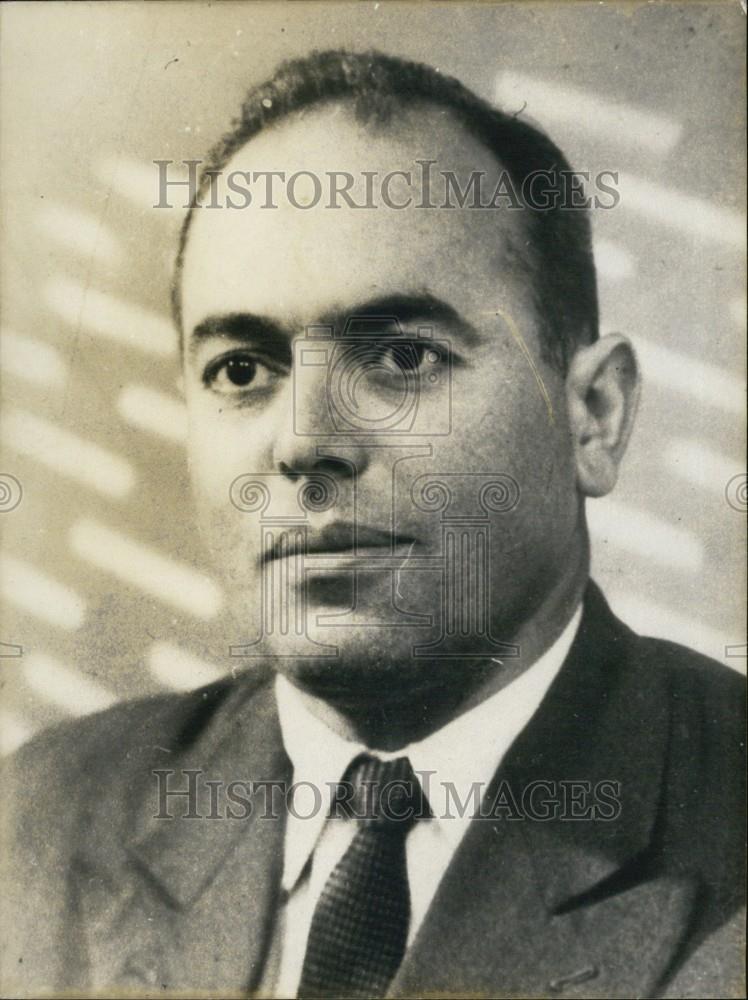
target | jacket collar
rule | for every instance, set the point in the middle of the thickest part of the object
(604, 722)
(578, 907)
(241, 744)
(597, 724)
(153, 896)
(553, 903)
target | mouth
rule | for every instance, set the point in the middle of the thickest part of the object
(340, 538)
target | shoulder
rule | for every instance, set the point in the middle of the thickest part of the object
(112, 739)
(663, 677)
(706, 721)
(675, 719)
(686, 664)
(64, 776)
(698, 702)
(700, 691)
(702, 825)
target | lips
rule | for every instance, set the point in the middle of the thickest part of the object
(337, 537)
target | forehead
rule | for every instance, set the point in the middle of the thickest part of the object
(306, 262)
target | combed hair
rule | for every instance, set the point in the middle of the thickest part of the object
(377, 86)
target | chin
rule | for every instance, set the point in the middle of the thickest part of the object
(358, 659)
(369, 673)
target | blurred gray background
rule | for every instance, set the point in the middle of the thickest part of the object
(102, 581)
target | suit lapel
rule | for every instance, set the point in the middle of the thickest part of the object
(579, 907)
(490, 933)
(192, 907)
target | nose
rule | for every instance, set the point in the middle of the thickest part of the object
(303, 443)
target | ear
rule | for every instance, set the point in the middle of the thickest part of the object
(602, 389)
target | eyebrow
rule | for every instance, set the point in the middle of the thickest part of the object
(420, 303)
(275, 338)
(409, 307)
(245, 327)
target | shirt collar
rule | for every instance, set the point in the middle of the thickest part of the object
(320, 756)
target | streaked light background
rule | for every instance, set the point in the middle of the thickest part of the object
(102, 583)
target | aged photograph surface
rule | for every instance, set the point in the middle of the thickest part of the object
(373, 499)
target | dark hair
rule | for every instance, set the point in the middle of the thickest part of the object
(564, 283)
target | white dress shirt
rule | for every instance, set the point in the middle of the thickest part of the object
(449, 762)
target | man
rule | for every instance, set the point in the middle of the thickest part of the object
(397, 411)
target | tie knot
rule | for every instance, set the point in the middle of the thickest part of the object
(382, 793)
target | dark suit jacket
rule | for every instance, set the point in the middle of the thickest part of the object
(109, 898)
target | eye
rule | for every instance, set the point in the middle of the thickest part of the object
(416, 355)
(236, 373)
(240, 371)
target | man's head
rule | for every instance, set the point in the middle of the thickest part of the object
(380, 90)
(463, 341)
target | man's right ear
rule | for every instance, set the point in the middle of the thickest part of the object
(602, 388)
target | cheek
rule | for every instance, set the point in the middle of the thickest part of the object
(209, 458)
(230, 535)
(507, 424)
(221, 447)
(211, 482)
(214, 465)
(223, 450)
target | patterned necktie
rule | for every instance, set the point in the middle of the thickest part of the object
(359, 928)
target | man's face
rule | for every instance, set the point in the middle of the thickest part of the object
(365, 353)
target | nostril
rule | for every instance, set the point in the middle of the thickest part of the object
(305, 458)
(290, 473)
(338, 468)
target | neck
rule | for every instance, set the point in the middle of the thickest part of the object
(391, 725)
